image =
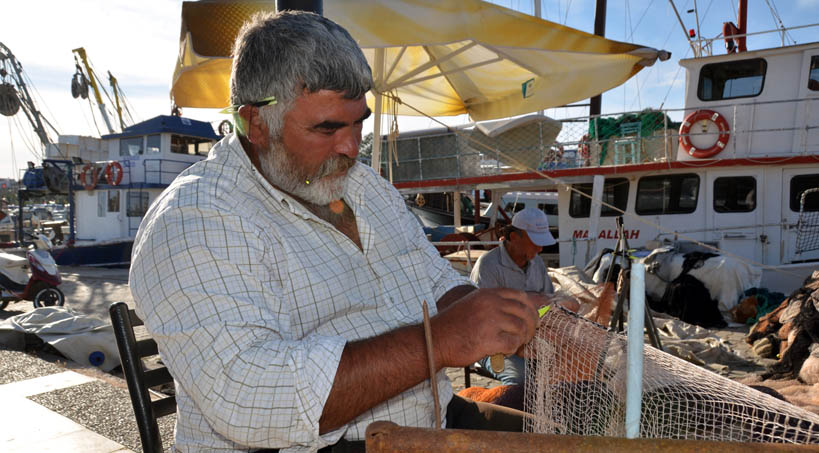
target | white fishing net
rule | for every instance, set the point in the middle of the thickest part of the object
(576, 384)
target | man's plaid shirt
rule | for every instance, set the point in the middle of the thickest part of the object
(252, 298)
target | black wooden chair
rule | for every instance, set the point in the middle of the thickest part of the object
(139, 380)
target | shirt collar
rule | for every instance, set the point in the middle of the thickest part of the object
(507, 261)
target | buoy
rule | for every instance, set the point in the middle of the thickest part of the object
(89, 185)
(113, 173)
(704, 115)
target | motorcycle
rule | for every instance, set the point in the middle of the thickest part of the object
(40, 286)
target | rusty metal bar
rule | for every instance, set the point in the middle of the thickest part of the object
(383, 437)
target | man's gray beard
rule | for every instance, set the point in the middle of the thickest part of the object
(278, 168)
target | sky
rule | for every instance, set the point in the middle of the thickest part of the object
(138, 42)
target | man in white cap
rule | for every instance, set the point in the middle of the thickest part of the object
(516, 264)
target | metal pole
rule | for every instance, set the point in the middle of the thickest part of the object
(314, 6)
(539, 15)
(685, 32)
(634, 367)
(71, 212)
(699, 42)
(595, 103)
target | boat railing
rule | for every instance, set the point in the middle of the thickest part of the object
(756, 129)
(54, 174)
(705, 45)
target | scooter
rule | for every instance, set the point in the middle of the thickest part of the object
(41, 286)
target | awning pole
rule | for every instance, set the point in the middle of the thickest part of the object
(314, 6)
(379, 73)
(595, 103)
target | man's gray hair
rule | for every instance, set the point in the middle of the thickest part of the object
(286, 53)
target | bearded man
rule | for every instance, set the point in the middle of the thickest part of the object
(283, 281)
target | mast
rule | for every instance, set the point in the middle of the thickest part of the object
(115, 87)
(595, 103)
(685, 32)
(24, 97)
(92, 79)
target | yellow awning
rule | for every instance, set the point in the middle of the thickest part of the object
(442, 57)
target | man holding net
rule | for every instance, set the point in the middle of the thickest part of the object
(283, 281)
(516, 264)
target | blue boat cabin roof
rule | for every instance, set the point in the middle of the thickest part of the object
(168, 123)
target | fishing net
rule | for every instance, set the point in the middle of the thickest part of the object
(576, 385)
(807, 229)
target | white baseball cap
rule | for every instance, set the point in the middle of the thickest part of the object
(534, 222)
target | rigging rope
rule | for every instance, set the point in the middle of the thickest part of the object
(30, 147)
(93, 117)
(675, 79)
(641, 17)
(566, 18)
(85, 117)
(656, 67)
(776, 18)
(14, 168)
(41, 101)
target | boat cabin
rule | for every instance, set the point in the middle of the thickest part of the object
(111, 181)
(141, 161)
(746, 151)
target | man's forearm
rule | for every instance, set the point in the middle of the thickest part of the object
(372, 371)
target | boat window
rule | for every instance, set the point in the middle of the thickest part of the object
(813, 78)
(668, 194)
(190, 145)
(130, 146)
(615, 192)
(137, 204)
(800, 184)
(107, 201)
(735, 194)
(732, 79)
(548, 208)
(152, 144)
(514, 206)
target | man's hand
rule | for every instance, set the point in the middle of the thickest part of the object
(484, 322)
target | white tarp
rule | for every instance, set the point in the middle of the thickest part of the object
(75, 335)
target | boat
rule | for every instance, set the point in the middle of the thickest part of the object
(738, 173)
(109, 182)
(109, 197)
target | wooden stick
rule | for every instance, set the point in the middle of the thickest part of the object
(433, 382)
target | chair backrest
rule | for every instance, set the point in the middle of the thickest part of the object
(632, 128)
(139, 380)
